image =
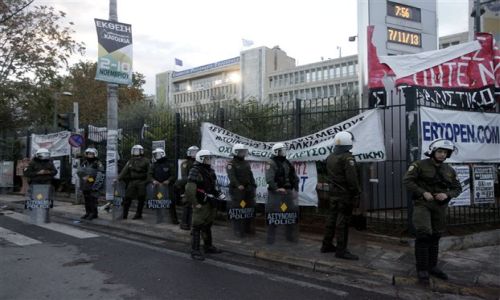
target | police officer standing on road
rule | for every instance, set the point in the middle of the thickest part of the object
(432, 183)
(242, 187)
(135, 175)
(282, 185)
(88, 172)
(201, 192)
(41, 169)
(180, 185)
(344, 195)
(163, 173)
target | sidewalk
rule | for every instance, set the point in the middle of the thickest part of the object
(472, 272)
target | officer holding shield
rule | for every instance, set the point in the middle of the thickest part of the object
(242, 190)
(91, 177)
(41, 169)
(282, 185)
(162, 173)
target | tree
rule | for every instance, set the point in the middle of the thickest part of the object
(35, 44)
(91, 94)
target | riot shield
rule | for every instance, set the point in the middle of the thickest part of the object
(282, 216)
(39, 201)
(241, 211)
(118, 196)
(157, 198)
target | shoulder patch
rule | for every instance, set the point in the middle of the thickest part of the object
(184, 165)
(411, 168)
(351, 162)
(229, 166)
(268, 166)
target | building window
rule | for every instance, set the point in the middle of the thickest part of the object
(325, 73)
(320, 75)
(313, 76)
(308, 76)
(337, 71)
(344, 70)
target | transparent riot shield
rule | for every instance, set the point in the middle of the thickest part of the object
(39, 201)
(118, 196)
(241, 211)
(282, 216)
(157, 198)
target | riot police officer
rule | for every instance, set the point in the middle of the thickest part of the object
(91, 177)
(201, 192)
(41, 169)
(282, 185)
(344, 195)
(136, 175)
(187, 209)
(242, 188)
(432, 183)
(162, 173)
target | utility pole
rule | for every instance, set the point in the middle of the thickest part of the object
(112, 141)
(477, 17)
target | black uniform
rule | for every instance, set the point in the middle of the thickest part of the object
(37, 165)
(280, 173)
(240, 173)
(136, 175)
(162, 171)
(91, 180)
(187, 210)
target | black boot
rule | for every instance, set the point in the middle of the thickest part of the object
(126, 207)
(433, 258)
(422, 259)
(195, 244)
(140, 206)
(342, 239)
(93, 209)
(208, 247)
(186, 217)
(173, 214)
(328, 247)
(87, 208)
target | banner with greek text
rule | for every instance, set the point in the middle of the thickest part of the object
(114, 62)
(366, 128)
(306, 171)
(484, 183)
(57, 143)
(476, 135)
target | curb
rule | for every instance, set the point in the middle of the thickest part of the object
(475, 240)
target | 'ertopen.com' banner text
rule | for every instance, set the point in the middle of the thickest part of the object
(476, 135)
(114, 63)
(366, 127)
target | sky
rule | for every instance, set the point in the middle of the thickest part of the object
(200, 32)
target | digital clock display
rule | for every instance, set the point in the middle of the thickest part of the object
(404, 37)
(403, 11)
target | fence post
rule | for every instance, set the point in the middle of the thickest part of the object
(412, 149)
(28, 143)
(177, 135)
(220, 116)
(297, 117)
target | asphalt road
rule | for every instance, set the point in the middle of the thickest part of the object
(59, 261)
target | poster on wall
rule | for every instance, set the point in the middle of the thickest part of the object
(114, 63)
(484, 183)
(463, 175)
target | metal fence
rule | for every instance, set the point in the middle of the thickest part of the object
(384, 199)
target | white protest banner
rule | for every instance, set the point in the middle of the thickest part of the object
(111, 170)
(6, 173)
(56, 143)
(463, 175)
(366, 127)
(476, 135)
(306, 171)
(484, 183)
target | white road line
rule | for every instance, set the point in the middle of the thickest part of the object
(64, 229)
(16, 238)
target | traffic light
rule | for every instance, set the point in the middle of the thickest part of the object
(66, 121)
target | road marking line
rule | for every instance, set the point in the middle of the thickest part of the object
(17, 238)
(61, 228)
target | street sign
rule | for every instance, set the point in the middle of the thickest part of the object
(76, 140)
